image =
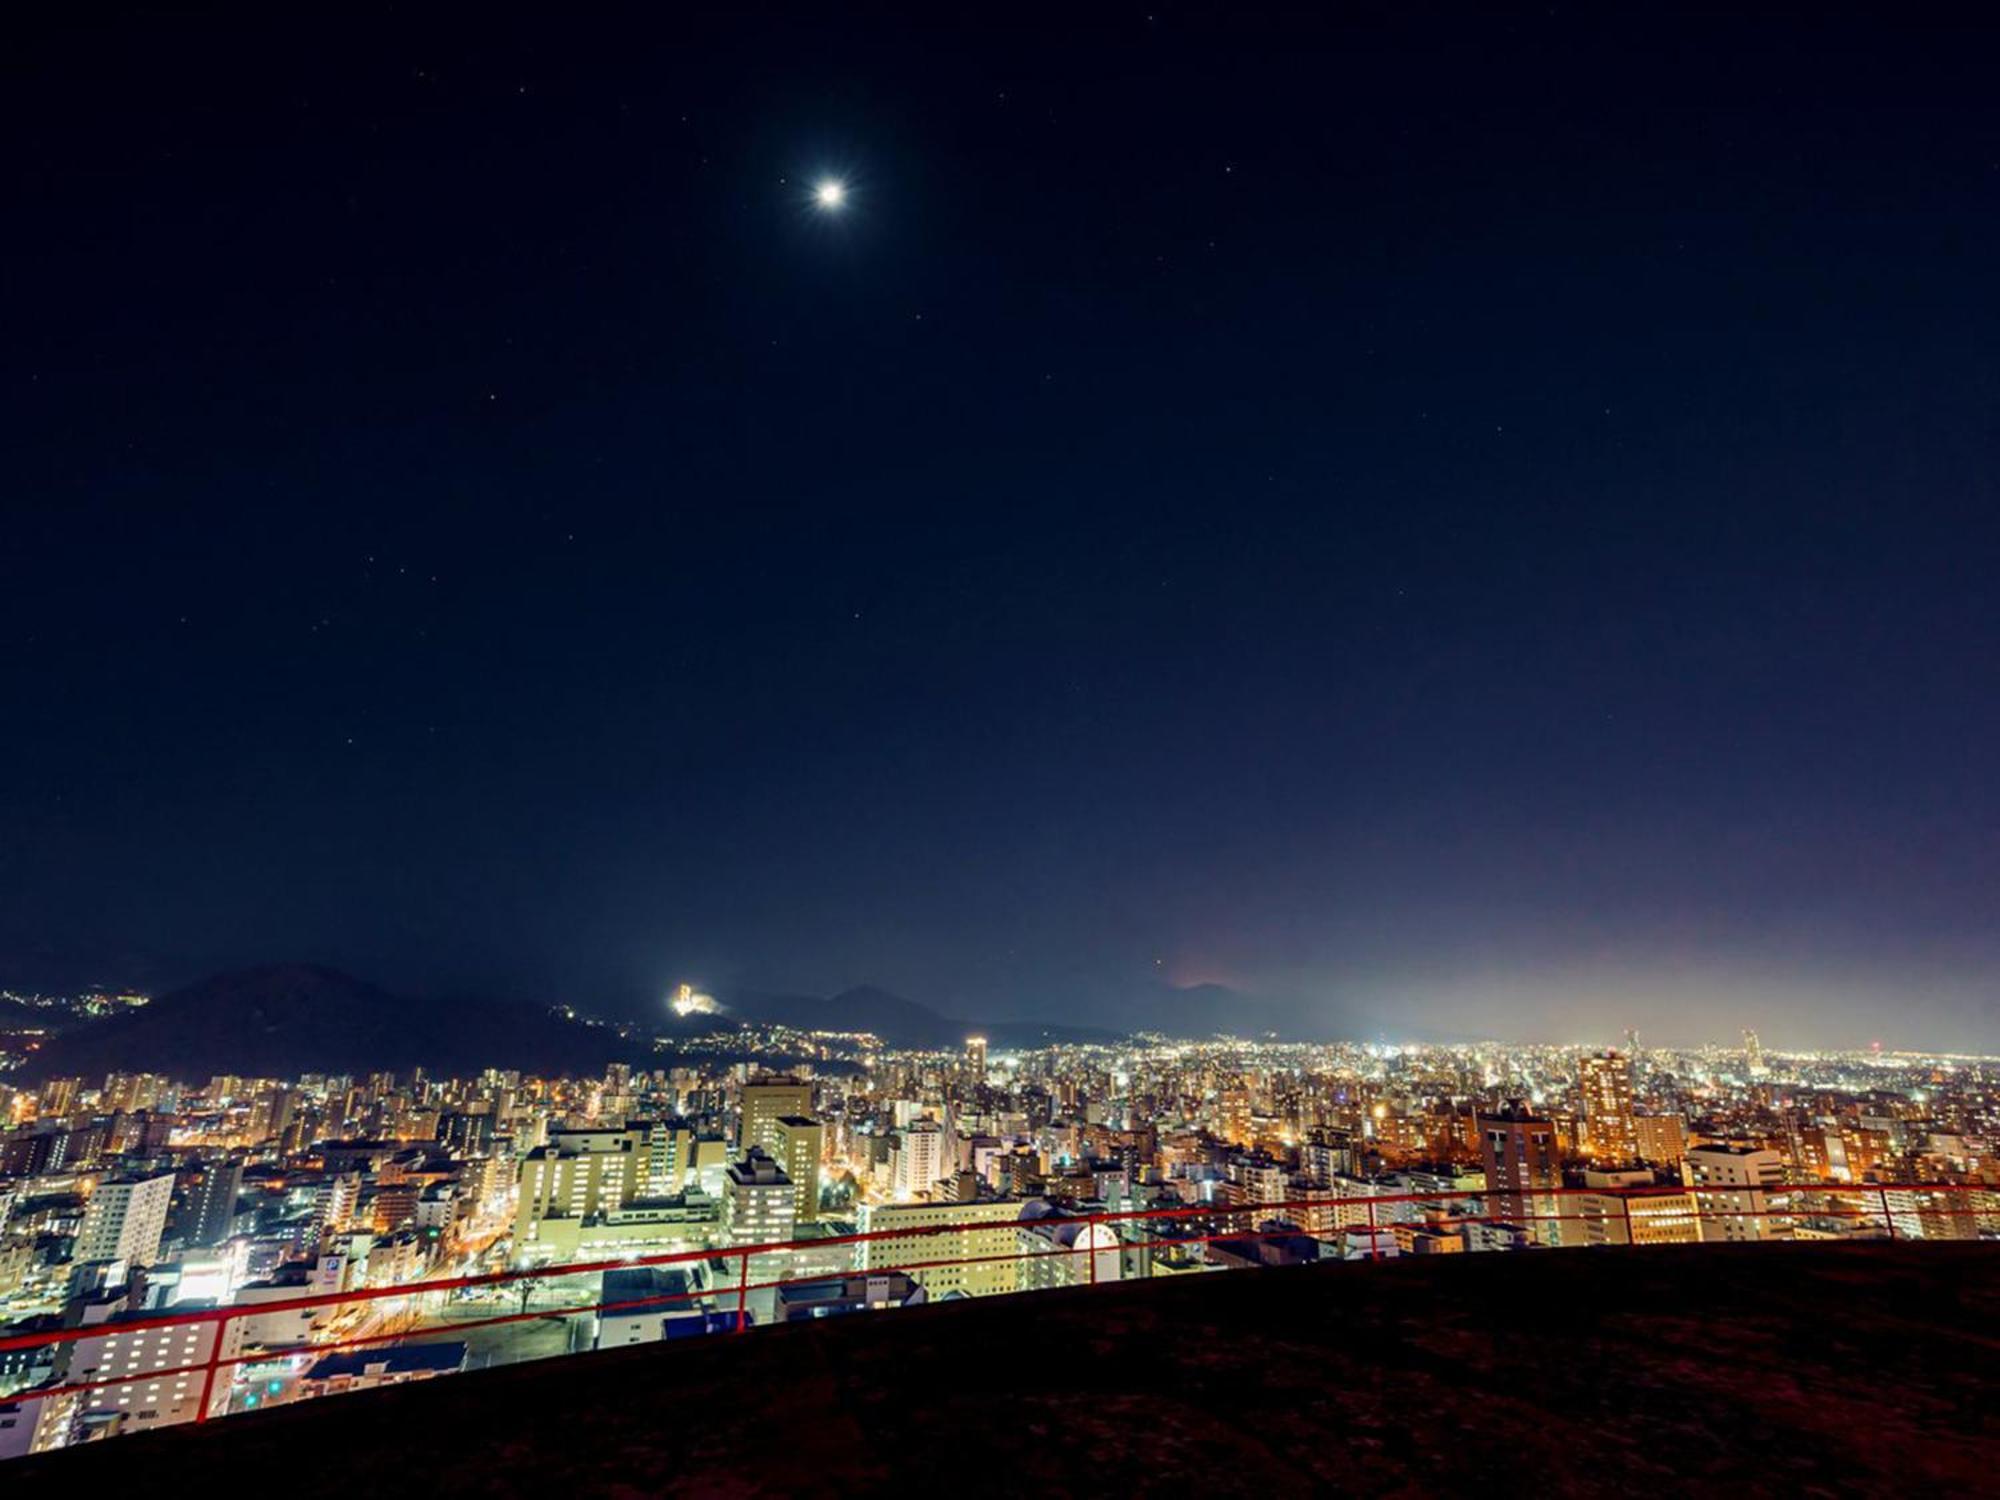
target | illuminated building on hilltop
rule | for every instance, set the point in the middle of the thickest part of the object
(687, 1002)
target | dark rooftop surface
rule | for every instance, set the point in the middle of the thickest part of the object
(1858, 1369)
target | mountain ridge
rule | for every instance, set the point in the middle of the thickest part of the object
(285, 1019)
(281, 1020)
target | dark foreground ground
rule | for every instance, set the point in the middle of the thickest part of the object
(1861, 1369)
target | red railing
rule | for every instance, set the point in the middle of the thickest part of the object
(1131, 1230)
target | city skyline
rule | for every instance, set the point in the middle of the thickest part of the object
(1481, 528)
(177, 1248)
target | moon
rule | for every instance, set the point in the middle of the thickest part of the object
(830, 194)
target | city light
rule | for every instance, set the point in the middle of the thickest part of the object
(404, 1195)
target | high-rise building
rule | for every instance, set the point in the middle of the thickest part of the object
(58, 1097)
(975, 1058)
(920, 1157)
(765, 1102)
(335, 1202)
(1607, 1107)
(1659, 1139)
(1059, 1252)
(1326, 1155)
(669, 1155)
(284, 1110)
(800, 1141)
(580, 1173)
(124, 1220)
(758, 1202)
(1932, 1214)
(1256, 1180)
(210, 1210)
(120, 1092)
(1523, 1168)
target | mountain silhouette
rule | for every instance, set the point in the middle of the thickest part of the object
(281, 1020)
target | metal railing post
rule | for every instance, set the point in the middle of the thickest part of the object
(1625, 1202)
(1374, 1245)
(743, 1291)
(1888, 1223)
(214, 1361)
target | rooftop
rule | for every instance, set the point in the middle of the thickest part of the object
(1756, 1369)
(412, 1359)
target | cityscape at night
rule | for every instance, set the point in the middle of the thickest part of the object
(849, 1175)
(733, 734)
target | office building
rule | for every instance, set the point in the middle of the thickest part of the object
(158, 1371)
(758, 1202)
(1621, 1209)
(798, 1143)
(1523, 1171)
(1739, 1192)
(921, 1153)
(578, 1175)
(766, 1101)
(209, 1210)
(125, 1219)
(977, 1242)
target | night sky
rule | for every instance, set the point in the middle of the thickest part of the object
(1464, 525)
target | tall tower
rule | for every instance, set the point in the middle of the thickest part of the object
(975, 1058)
(1753, 1054)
